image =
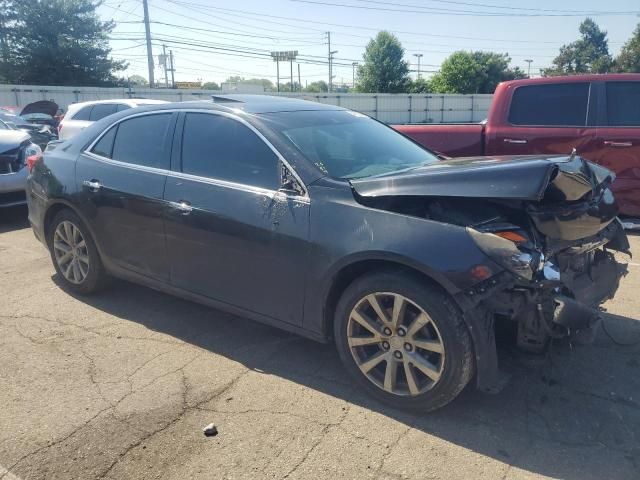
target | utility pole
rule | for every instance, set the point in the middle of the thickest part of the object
(164, 65)
(173, 80)
(278, 74)
(147, 31)
(529, 67)
(330, 62)
(329, 59)
(419, 55)
(291, 65)
(354, 65)
(299, 80)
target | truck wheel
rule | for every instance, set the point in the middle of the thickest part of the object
(403, 340)
(74, 254)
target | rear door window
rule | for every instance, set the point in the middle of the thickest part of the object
(218, 147)
(104, 147)
(122, 107)
(102, 110)
(623, 104)
(561, 105)
(143, 141)
(83, 113)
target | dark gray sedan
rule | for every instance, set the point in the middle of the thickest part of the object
(327, 223)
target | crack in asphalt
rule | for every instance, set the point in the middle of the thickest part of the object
(315, 445)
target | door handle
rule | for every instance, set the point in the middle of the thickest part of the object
(183, 207)
(611, 143)
(516, 141)
(93, 185)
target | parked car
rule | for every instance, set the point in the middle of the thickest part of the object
(80, 115)
(324, 222)
(40, 134)
(17, 152)
(598, 115)
(42, 112)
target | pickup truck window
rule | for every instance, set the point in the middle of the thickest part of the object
(555, 105)
(623, 104)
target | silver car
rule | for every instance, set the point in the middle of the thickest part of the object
(17, 155)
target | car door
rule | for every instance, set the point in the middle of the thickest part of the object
(121, 178)
(233, 234)
(545, 119)
(618, 141)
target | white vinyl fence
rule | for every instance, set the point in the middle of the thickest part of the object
(389, 108)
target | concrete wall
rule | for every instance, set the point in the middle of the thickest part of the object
(389, 108)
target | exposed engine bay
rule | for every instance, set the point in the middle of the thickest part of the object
(553, 231)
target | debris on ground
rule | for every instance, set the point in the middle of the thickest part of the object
(210, 430)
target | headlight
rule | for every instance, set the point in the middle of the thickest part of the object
(506, 253)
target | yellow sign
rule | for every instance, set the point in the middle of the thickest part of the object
(188, 85)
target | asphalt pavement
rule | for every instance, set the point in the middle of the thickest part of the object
(121, 384)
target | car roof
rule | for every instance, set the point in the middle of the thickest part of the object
(593, 77)
(251, 104)
(128, 101)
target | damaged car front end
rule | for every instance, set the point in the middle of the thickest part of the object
(548, 223)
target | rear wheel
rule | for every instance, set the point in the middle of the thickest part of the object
(74, 254)
(403, 340)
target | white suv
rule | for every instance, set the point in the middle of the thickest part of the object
(81, 115)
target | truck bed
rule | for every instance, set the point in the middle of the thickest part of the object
(452, 140)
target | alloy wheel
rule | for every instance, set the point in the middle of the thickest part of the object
(70, 251)
(395, 344)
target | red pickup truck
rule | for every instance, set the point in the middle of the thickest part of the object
(598, 115)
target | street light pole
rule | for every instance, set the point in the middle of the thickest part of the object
(529, 67)
(419, 56)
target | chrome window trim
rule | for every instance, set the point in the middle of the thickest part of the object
(213, 181)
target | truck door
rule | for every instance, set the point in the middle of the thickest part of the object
(544, 119)
(618, 141)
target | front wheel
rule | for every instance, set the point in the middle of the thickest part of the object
(403, 340)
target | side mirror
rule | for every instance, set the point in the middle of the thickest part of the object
(289, 184)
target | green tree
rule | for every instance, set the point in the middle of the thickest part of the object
(420, 85)
(317, 87)
(589, 54)
(61, 42)
(474, 72)
(210, 86)
(629, 58)
(384, 70)
(138, 80)
(8, 17)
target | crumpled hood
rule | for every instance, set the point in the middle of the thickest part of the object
(528, 177)
(43, 106)
(11, 139)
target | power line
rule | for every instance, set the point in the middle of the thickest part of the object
(375, 29)
(464, 13)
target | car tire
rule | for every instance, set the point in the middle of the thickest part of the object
(81, 271)
(425, 362)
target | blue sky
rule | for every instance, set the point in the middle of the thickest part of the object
(212, 40)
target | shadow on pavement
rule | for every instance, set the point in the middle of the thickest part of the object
(573, 413)
(13, 218)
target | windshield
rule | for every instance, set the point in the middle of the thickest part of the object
(347, 144)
